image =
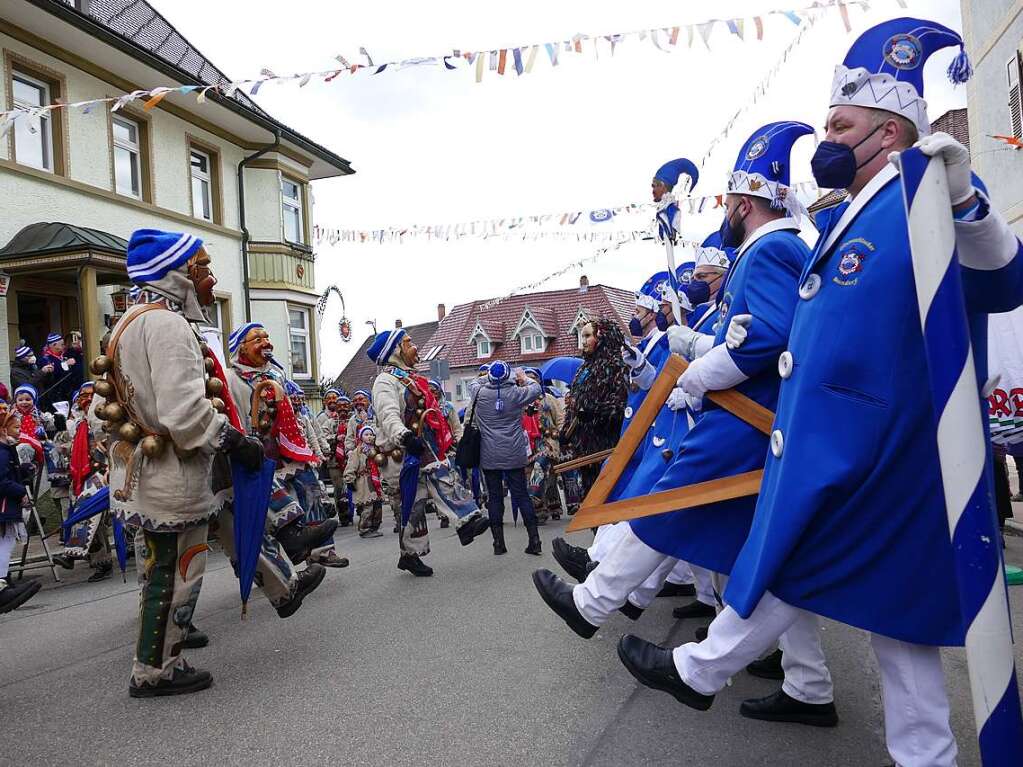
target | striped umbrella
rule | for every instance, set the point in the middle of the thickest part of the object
(962, 453)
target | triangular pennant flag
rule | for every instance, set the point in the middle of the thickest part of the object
(369, 59)
(674, 36)
(552, 52)
(733, 27)
(705, 29)
(479, 67)
(531, 59)
(502, 60)
(689, 34)
(517, 59)
(740, 25)
(493, 61)
(793, 17)
(156, 96)
(844, 13)
(760, 27)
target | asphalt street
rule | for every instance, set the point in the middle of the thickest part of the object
(378, 668)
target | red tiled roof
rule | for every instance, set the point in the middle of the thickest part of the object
(555, 309)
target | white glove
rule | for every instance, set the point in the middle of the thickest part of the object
(735, 336)
(632, 357)
(676, 400)
(679, 339)
(714, 371)
(957, 163)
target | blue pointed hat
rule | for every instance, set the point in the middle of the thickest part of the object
(762, 168)
(384, 344)
(649, 295)
(884, 68)
(684, 272)
(711, 253)
(669, 172)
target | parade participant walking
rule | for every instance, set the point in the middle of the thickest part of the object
(498, 407)
(542, 483)
(763, 280)
(164, 480)
(596, 400)
(252, 362)
(25, 371)
(13, 495)
(409, 420)
(870, 512)
(332, 422)
(362, 473)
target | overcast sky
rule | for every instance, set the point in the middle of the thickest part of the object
(432, 146)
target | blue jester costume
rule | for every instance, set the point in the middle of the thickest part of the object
(762, 281)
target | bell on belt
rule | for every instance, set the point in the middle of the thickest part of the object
(214, 387)
(667, 454)
(379, 459)
(103, 388)
(101, 411)
(396, 454)
(101, 365)
(130, 432)
(152, 445)
(209, 365)
(218, 404)
(114, 412)
(419, 413)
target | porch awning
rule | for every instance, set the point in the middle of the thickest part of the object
(60, 245)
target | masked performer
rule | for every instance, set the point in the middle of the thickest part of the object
(597, 395)
(285, 443)
(312, 495)
(332, 422)
(410, 425)
(163, 435)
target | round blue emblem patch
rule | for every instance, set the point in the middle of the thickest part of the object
(903, 51)
(686, 277)
(757, 148)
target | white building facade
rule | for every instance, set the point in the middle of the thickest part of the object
(223, 170)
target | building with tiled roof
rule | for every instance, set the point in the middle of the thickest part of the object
(523, 330)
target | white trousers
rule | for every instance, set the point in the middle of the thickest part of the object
(917, 730)
(634, 571)
(605, 539)
(6, 547)
(681, 574)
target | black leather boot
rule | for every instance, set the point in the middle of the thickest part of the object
(194, 638)
(299, 540)
(413, 564)
(184, 680)
(533, 546)
(468, 532)
(498, 532)
(308, 580)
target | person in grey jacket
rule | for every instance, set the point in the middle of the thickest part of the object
(504, 450)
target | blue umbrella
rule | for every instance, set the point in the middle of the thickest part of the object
(408, 483)
(561, 368)
(121, 547)
(251, 500)
(88, 507)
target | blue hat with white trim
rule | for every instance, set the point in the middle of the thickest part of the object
(23, 353)
(236, 338)
(435, 384)
(498, 374)
(363, 392)
(292, 389)
(670, 172)
(649, 295)
(884, 68)
(384, 344)
(485, 367)
(152, 253)
(763, 168)
(54, 338)
(27, 389)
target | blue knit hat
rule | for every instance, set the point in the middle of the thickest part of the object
(236, 338)
(54, 338)
(23, 352)
(435, 384)
(292, 389)
(332, 390)
(152, 253)
(484, 367)
(27, 389)
(499, 373)
(363, 392)
(384, 344)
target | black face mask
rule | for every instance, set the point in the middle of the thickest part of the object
(698, 292)
(662, 321)
(834, 164)
(732, 235)
(636, 327)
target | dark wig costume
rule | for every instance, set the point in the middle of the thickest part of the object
(595, 405)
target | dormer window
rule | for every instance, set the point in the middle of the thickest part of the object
(483, 348)
(532, 343)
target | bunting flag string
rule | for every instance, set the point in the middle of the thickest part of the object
(587, 224)
(521, 59)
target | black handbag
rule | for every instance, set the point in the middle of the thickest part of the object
(467, 456)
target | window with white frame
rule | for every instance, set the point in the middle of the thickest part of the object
(532, 343)
(291, 210)
(202, 184)
(127, 156)
(217, 314)
(460, 389)
(482, 347)
(298, 336)
(33, 138)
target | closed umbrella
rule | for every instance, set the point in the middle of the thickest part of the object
(251, 501)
